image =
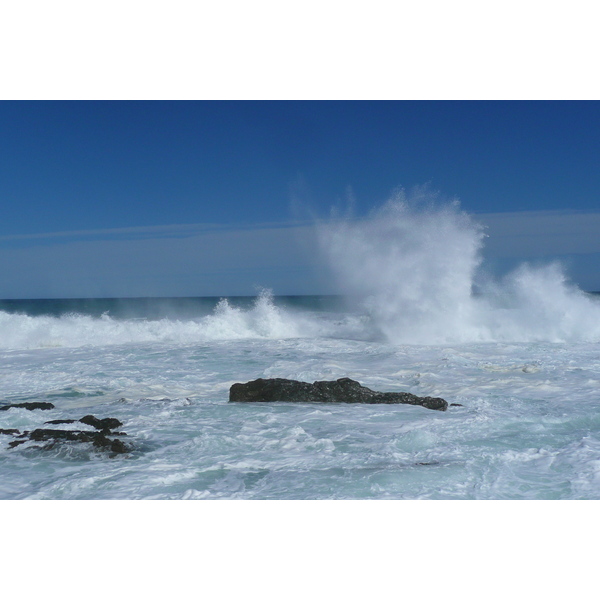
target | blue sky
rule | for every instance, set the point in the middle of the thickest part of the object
(183, 198)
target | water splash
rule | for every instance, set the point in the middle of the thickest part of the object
(414, 263)
(261, 320)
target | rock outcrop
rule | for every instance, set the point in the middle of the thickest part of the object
(96, 438)
(343, 390)
(105, 425)
(30, 406)
(103, 440)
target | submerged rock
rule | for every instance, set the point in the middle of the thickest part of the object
(104, 424)
(99, 439)
(29, 406)
(343, 390)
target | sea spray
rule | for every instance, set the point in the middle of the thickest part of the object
(540, 304)
(262, 319)
(413, 264)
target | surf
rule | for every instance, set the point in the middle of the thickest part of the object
(263, 319)
(415, 266)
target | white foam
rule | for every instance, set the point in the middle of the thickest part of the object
(414, 263)
(518, 434)
(262, 320)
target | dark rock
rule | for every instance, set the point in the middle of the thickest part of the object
(104, 424)
(343, 390)
(16, 443)
(455, 404)
(29, 406)
(97, 438)
(42, 435)
(111, 445)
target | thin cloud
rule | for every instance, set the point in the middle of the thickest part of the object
(205, 259)
(541, 233)
(146, 232)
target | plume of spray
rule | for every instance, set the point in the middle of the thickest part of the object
(413, 264)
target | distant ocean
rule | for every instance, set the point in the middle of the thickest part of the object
(521, 355)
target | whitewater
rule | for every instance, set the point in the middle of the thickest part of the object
(416, 312)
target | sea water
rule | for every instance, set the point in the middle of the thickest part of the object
(415, 313)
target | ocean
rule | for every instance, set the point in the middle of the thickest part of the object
(520, 354)
(528, 427)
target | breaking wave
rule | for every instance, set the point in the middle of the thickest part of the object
(412, 272)
(415, 266)
(227, 322)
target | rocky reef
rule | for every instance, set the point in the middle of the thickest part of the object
(342, 390)
(29, 406)
(104, 439)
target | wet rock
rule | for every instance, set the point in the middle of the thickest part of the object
(29, 406)
(103, 424)
(455, 404)
(343, 390)
(10, 431)
(42, 435)
(99, 439)
(16, 443)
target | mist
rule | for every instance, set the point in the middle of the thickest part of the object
(416, 266)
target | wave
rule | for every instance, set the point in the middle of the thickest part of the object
(414, 265)
(262, 320)
(412, 272)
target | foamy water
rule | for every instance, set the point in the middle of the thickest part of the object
(416, 267)
(72, 330)
(522, 355)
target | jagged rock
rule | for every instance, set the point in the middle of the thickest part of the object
(99, 439)
(16, 443)
(342, 390)
(104, 424)
(29, 406)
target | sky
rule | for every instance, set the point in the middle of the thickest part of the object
(171, 198)
(193, 198)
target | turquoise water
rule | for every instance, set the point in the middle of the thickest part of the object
(529, 427)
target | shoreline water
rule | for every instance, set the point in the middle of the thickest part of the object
(528, 428)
